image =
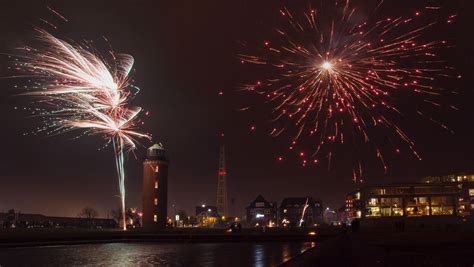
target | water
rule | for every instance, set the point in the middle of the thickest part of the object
(157, 254)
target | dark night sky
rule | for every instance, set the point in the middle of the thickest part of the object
(185, 53)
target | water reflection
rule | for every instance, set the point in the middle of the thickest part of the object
(156, 254)
(259, 255)
(286, 253)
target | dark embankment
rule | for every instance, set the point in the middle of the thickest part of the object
(424, 248)
(41, 237)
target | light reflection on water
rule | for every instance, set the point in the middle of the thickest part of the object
(286, 253)
(157, 254)
(259, 255)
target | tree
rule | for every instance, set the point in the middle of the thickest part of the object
(11, 215)
(193, 220)
(183, 216)
(88, 213)
(10, 219)
(117, 215)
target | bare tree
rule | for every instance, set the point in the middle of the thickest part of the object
(88, 213)
(117, 215)
(183, 216)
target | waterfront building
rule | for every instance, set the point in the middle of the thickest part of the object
(435, 199)
(261, 212)
(207, 216)
(300, 211)
(155, 188)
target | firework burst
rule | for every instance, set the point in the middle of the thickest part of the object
(335, 76)
(76, 89)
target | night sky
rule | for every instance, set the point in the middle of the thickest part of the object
(185, 54)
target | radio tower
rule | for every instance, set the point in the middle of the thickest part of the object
(222, 184)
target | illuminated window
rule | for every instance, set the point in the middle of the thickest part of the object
(357, 195)
(155, 218)
(386, 211)
(391, 206)
(373, 202)
(417, 206)
(442, 205)
(373, 212)
(471, 192)
(156, 185)
(156, 201)
(443, 210)
(397, 211)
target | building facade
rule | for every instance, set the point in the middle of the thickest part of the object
(300, 212)
(437, 197)
(207, 216)
(222, 204)
(261, 212)
(155, 188)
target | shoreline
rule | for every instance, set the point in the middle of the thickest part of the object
(54, 237)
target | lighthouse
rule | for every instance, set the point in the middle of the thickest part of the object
(155, 188)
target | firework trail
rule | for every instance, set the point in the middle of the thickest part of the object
(78, 90)
(304, 211)
(334, 78)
